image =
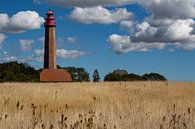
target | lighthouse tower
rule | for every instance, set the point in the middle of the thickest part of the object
(50, 72)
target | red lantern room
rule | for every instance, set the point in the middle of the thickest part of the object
(50, 19)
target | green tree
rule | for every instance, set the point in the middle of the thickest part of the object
(112, 77)
(153, 77)
(125, 77)
(18, 72)
(7, 76)
(83, 75)
(78, 74)
(96, 76)
(134, 77)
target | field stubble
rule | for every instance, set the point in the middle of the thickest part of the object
(114, 105)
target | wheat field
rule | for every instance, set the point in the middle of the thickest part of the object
(113, 105)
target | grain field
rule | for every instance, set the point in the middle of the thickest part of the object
(114, 105)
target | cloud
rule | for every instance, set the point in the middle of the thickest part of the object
(99, 15)
(26, 44)
(177, 9)
(5, 57)
(172, 9)
(172, 27)
(4, 53)
(189, 46)
(39, 52)
(126, 24)
(62, 53)
(59, 40)
(159, 8)
(84, 3)
(177, 31)
(71, 39)
(20, 22)
(63, 40)
(9, 58)
(2, 38)
(38, 55)
(178, 34)
(4, 19)
(39, 1)
(123, 44)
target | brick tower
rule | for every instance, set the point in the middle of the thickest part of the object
(50, 72)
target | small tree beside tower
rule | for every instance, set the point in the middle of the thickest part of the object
(96, 76)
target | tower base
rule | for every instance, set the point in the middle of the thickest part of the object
(55, 75)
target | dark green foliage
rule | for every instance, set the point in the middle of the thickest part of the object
(153, 77)
(112, 77)
(18, 72)
(118, 77)
(78, 74)
(134, 77)
(96, 76)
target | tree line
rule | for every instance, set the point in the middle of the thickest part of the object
(22, 72)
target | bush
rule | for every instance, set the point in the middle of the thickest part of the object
(134, 77)
(18, 72)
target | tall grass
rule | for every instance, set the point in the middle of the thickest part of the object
(115, 105)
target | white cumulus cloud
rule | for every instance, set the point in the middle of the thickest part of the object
(20, 22)
(189, 46)
(100, 15)
(178, 34)
(123, 44)
(126, 24)
(62, 53)
(177, 9)
(177, 31)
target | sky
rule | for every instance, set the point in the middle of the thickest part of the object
(135, 35)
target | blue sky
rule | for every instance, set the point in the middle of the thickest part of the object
(139, 36)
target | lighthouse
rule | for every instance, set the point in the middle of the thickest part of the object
(50, 72)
